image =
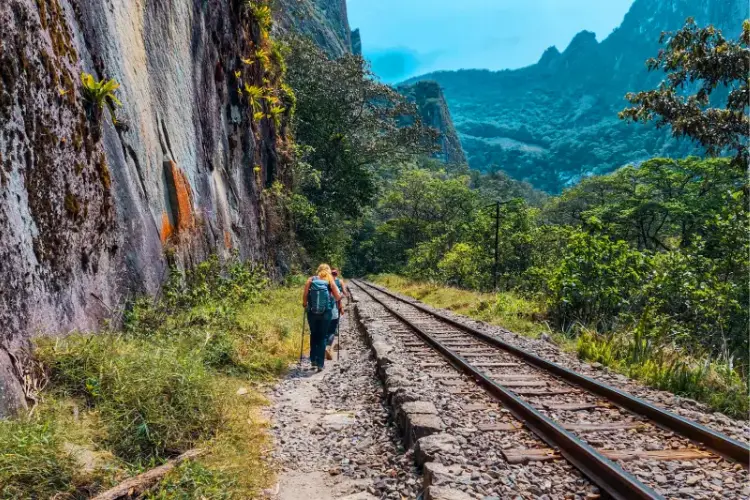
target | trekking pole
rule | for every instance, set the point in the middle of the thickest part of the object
(338, 345)
(302, 341)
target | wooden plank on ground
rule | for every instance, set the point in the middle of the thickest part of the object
(136, 485)
(544, 392)
(521, 383)
(496, 364)
(510, 377)
(452, 381)
(445, 375)
(474, 407)
(459, 391)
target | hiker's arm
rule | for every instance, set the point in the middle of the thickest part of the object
(304, 294)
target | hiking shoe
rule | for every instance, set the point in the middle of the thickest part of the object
(319, 368)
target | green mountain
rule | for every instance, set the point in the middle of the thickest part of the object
(556, 121)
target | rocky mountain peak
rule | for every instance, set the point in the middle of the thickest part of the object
(583, 41)
(433, 109)
(550, 57)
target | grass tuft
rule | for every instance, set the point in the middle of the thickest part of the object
(506, 309)
(154, 401)
(32, 464)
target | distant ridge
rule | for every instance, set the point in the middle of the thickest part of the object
(555, 121)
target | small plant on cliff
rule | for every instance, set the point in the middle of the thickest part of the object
(254, 95)
(262, 14)
(277, 112)
(101, 93)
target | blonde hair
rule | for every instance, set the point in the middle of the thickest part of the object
(324, 272)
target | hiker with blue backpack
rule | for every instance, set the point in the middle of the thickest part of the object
(319, 299)
(334, 325)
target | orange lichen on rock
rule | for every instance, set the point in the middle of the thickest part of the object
(167, 230)
(178, 219)
(181, 197)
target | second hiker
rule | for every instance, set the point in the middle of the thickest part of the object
(320, 298)
(334, 325)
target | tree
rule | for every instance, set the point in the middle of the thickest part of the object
(700, 58)
(662, 205)
(352, 124)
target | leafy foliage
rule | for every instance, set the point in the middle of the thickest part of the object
(702, 58)
(167, 383)
(653, 256)
(101, 93)
(352, 126)
(595, 281)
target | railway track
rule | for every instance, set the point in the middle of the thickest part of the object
(626, 446)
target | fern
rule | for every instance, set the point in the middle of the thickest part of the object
(276, 113)
(261, 55)
(101, 92)
(254, 95)
(262, 15)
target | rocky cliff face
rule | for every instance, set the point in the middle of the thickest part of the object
(356, 42)
(325, 21)
(91, 207)
(433, 109)
(556, 121)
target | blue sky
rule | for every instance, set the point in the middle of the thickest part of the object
(404, 38)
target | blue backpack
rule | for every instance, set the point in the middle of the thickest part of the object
(319, 297)
(339, 285)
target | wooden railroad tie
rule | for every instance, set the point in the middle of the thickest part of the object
(524, 455)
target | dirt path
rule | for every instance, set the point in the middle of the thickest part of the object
(332, 434)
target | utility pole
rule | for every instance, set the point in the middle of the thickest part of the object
(497, 205)
(497, 246)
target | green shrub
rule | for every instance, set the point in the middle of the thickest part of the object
(100, 93)
(154, 401)
(32, 464)
(697, 304)
(596, 280)
(636, 355)
(461, 266)
(228, 282)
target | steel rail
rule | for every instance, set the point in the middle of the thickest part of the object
(607, 475)
(715, 441)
